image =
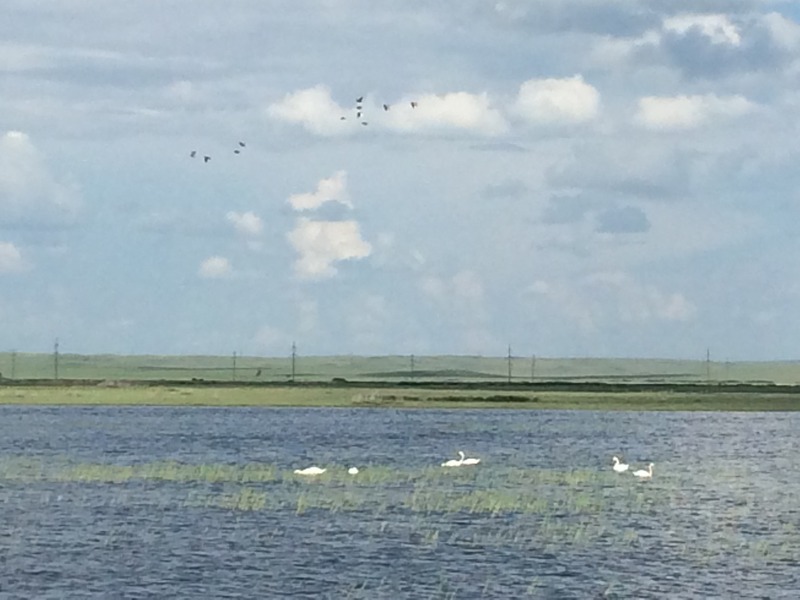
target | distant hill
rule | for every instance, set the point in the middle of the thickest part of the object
(400, 368)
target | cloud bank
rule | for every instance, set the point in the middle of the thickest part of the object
(548, 101)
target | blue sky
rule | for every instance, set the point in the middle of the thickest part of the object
(610, 178)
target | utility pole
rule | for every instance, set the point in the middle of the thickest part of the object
(294, 359)
(412, 366)
(708, 366)
(234, 365)
(13, 364)
(533, 367)
(55, 360)
(509, 363)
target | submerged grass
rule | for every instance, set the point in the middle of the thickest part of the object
(512, 508)
(357, 397)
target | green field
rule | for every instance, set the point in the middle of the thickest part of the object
(416, 397)
(398, 381)
(254, 369)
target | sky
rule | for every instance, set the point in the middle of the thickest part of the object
(570, 178)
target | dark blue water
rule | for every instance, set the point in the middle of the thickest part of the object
(201, 502)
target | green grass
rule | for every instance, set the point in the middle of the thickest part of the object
(393, 368)
(354, 397)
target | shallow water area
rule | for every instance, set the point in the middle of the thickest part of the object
(203, 502)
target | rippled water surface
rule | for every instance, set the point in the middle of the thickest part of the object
(203, 503)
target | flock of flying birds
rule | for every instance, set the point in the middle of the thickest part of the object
(359, 109)
(207, 158)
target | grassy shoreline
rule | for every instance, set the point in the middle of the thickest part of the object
(364, 396)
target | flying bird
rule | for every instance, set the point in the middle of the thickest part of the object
(358, 115)
(206, 158)
(237, 151)
(360, 99)
(413, 105)
(193, 153)
(242, 144)
(364, 123)
(385, 107)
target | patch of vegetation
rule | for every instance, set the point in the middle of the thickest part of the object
(358, 395)
(258, 370)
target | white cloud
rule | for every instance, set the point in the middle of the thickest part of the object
(685, 112)
(10, 258)
(314, 109)
(28, 191)
(215, 267)
(785, 32)
(320, 244)
(450, 111)
(557, 101)
(247, 223)
(717, 28)
(332, 189)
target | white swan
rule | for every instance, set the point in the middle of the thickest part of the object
(642, 474)
(620, 467)
(463, 461)
(453, 462)
(470, 461)
(310, 471)
(353, 470)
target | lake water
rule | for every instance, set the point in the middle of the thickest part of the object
(202, 503)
